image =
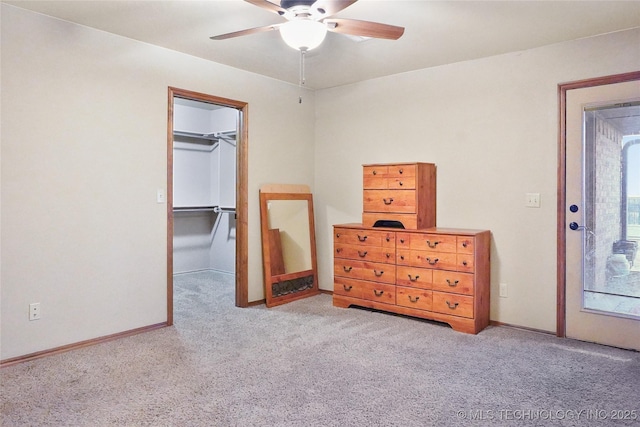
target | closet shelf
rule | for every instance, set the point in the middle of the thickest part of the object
(216, 209)
(195, 208)
(213, 136)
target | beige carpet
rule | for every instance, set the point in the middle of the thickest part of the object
(310, 364)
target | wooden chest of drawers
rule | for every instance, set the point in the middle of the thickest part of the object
(404, 192)
(435, 273)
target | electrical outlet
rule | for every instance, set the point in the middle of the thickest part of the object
(503, 290)
(532, 200)
(34, 311)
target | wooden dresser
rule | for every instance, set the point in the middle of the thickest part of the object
(397, 260)
(403, 192)
(433, 273)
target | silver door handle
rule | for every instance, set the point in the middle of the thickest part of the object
(575, 226)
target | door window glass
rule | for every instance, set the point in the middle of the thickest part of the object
(611, 172)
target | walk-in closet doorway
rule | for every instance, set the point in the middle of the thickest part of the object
(206, 189)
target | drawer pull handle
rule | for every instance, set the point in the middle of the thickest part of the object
(388, 255)
(362, 254)
(432, 262)
(452, 284)
(464, 263)
(346, 269)
(388, 238)
(339, 250)
(432, 245)
(413, 279)
(401, 184)
(401, 240)
(362, 239)
(378, 293)
(375, 173)
(465, 244)
(414, 299)
(402, 257)
(338, 235)
(388, 201)
(452, 306)
(347, 287)
(378, 273)
(400, 171)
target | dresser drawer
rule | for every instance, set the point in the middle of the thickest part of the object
(464, 262)
(402, 183)
(364, 237)
(454, 304)
(403, 240)
(379, 292)
(414, 277)
(371, 291)
(365, 253)
(465, 244)
(449, 281)
(427, 259)
(428, 242)
(347, 287)
(386, 183)
(363, 270)
(402, 171)
(414, 298)
(375, 177)
(395, 201)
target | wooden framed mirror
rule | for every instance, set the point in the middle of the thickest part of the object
(288, 243)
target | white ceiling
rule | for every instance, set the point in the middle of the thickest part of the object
(436, 32)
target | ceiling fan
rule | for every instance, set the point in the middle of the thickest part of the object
(309, 20)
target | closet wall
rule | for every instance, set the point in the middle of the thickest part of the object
(204, 187)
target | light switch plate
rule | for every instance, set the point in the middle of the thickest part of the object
(160, 198)
(532, 200)
(503, 290)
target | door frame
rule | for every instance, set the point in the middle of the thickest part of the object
(562, 174)
(242, 168)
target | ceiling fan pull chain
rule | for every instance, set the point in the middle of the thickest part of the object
(302, 79)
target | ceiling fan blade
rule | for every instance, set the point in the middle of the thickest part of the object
(246, 32)
(331, 7)
(364, 28)
(265, 4)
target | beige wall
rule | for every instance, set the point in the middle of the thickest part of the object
(490, 126)
(84, 118)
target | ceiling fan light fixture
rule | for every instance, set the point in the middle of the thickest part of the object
(303, 34)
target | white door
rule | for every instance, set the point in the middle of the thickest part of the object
(602, 214)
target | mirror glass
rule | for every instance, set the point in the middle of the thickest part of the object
(289, 226)
(288, 243)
